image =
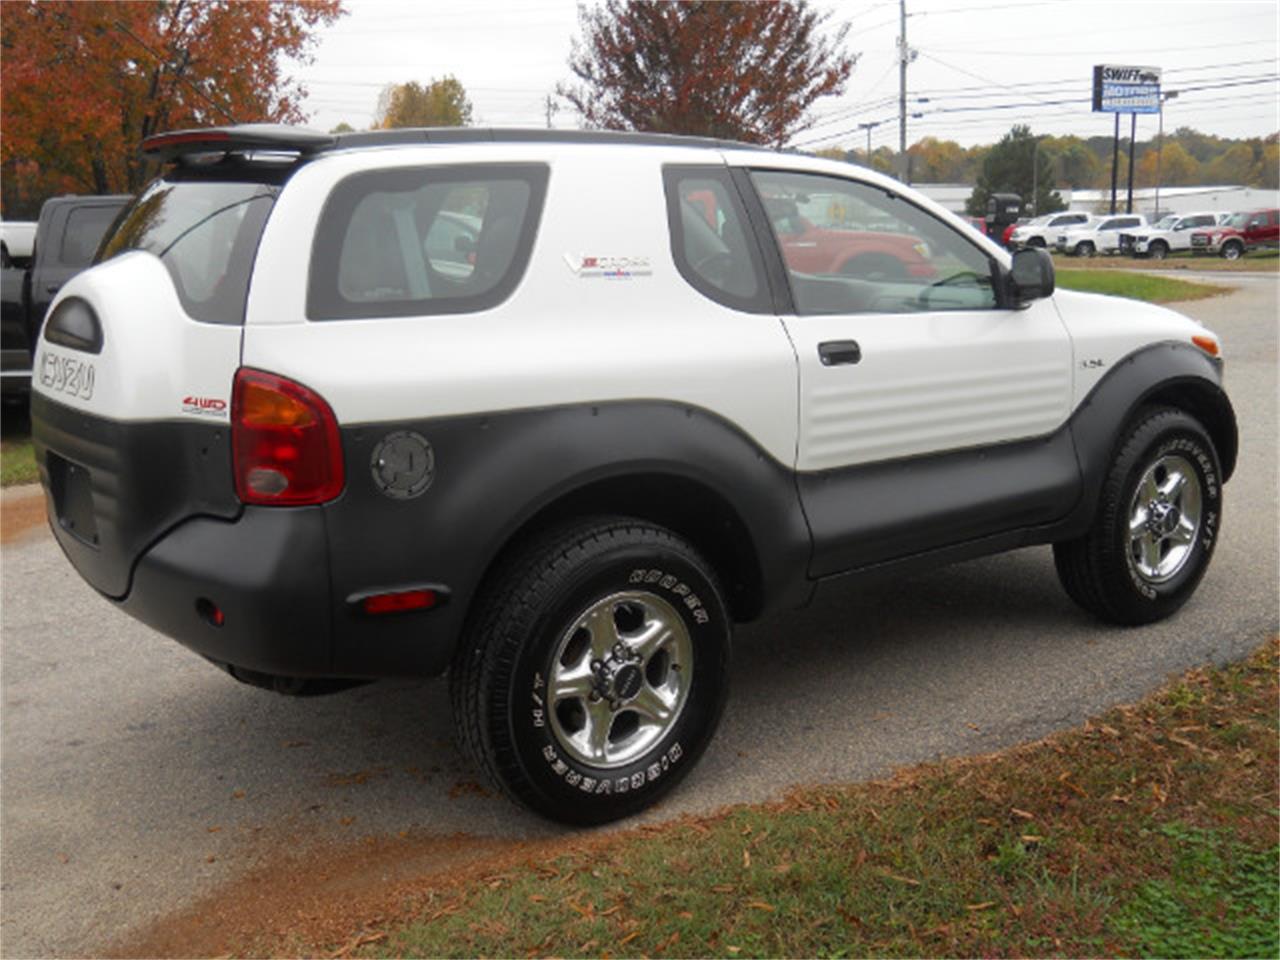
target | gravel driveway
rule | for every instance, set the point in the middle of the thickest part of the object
(135, 777)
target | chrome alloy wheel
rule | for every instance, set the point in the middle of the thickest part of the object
(620, 678)
(1164, 519)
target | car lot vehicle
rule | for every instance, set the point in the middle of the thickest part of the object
(1098, 236)
(269, 426)
(1170, 235)
(1242, 232)
(61, 244)
(1043, 231)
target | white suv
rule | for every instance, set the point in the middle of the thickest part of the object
(554, 411)
(1098, 236)
(1171, 234)
(1041, 231)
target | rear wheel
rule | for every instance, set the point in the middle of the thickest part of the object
(596, 670)
(1158, 250)
(1232, 250)
(1156, 525)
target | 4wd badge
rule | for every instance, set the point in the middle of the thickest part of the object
(403, 465)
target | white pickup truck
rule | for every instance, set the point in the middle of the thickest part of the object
(1171, 234)
(1098, 236)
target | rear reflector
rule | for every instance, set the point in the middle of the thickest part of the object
(285, 442)
(399, 602)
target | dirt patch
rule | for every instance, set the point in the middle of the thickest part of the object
(21, 512)
(326, 898)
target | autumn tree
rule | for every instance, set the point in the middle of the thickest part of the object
(1177, 167)
(85, 82)
(938, 161)
(1008, 168)
(739, 70)
(441, 103)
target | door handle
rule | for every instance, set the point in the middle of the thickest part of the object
(834, 352)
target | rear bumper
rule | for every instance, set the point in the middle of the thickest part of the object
(266, 572)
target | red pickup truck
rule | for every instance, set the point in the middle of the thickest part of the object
(809, 248)
(1252, 230)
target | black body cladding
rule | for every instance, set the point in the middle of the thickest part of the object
(146, 476)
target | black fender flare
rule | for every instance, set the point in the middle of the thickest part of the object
(1169, 373)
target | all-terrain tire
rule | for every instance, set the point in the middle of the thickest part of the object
(527, 631)
(1108, 571)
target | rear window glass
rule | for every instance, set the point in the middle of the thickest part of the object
(206, 234)
(417, 241)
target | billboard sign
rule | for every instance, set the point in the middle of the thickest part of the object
(1123, 89)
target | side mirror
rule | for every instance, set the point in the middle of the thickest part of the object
(1030, 276)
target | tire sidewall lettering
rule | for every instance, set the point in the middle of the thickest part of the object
(697, 601)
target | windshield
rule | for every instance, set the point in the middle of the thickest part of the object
(205, 233)
(1167, 222)
(1238, 220)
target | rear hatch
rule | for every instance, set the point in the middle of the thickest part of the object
(133, 371)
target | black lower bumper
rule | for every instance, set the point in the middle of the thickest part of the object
(253, 592)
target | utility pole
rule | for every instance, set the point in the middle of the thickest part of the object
(869, 127)
(551, 108)
(903, 57)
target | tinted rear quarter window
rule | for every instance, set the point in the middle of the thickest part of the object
(206, 234)
(424, 240)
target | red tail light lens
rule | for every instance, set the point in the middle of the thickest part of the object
(285, 444)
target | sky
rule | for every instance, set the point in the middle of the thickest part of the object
(980, 65)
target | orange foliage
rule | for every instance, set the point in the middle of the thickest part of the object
(85, 82)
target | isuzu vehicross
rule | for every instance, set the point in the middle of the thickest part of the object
(553, 411)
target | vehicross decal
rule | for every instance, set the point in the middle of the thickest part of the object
(67, 375)
(204, 406)
(611, 268)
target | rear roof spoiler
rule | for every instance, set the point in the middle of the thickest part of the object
(277, 138)
(270, 137)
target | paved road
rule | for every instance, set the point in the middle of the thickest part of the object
(121, 751)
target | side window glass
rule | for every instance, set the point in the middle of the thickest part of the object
(710, 240)
(861, 249)
(409, 242)
(85, 228)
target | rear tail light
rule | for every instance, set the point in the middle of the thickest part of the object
(285, 442)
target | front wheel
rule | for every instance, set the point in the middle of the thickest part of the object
(1157, 523)
(1085, 249)
(1158, 250)
(596, 670)
(1232, 251)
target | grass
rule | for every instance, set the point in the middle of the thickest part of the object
(1259, 260)
(17, 459)
(1135, 286)
(1150, 831)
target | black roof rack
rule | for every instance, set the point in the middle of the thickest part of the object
(277, 138)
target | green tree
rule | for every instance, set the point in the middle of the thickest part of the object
(1007, 168)
(343, 127)
(736, 69)
(441, 103)
(1075, 164)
